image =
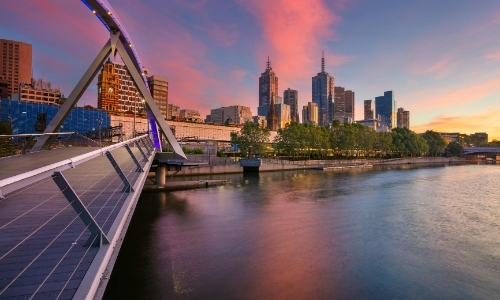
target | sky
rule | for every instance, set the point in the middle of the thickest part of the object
(440, 58)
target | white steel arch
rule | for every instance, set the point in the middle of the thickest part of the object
(120, 42)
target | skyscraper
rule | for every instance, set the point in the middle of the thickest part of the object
(403, 117)
(339, 103)
(349, 104)
(15, 64)
(291, 97)
(268, 93)
(385, 106)
(369, 111)
(158, 86)
(322, 94)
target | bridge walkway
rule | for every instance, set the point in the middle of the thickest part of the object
(42, 238)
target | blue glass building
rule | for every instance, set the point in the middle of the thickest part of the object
(24, 117)
(322, 94)
(385, 106)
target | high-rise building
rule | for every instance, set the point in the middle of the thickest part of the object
(268, 94)
(339, 103)
(291, 98)
(322, 94)
(385, 106)
(310, 113)
(40, 91)
(349, 105)
(403, 118)
(15, 64)
(369, 111)
(343, 105)
(189, 113)
(158, 86)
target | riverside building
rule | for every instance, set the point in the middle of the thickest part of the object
(322, 94)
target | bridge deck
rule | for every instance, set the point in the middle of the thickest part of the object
(41, 236)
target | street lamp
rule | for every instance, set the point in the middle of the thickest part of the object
(25, 120)
(135, 109)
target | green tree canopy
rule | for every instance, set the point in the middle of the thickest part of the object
(436, 143)
(454, 149)
(251, 135)
(408, 143)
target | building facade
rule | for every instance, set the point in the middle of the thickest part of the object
(283, 113)
(40, 91)
(237, 113)
(173, 111)
(268, 94)
(291, 98)
(260, 120)
(310, 113)
(158, 86)
(385, 106)
(349, 101)
(15, 64)
(369, 111)
(403, 118)
(25, 117)
(322, 94)
(339, 104)
(117, 91)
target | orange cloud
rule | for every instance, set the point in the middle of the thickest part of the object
(488, 121)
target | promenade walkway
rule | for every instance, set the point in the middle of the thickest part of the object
(44, 251)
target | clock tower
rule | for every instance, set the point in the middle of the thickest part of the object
(108, 86)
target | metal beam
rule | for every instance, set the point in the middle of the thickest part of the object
(152, 108)
(75, 95)
(97, 236)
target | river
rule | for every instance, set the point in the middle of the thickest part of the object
(405, 232)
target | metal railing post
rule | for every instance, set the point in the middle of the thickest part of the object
(128, 187)
(97, 236)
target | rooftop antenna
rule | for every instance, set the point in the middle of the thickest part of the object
(268, 64)
(323, 62)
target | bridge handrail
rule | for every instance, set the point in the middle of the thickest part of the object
(16, 182)
(36, 134)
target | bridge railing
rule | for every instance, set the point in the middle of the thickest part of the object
(22, 143)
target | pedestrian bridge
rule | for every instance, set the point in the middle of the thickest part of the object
(63, 217)
(481, 150)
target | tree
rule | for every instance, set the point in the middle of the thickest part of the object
(7, 147)
(454, 149)
(436, 143)
(408, 143)
(251, 135)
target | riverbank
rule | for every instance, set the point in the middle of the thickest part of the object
(269, 165)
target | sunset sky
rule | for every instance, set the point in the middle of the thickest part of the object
(441, 58)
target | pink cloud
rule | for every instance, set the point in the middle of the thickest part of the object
(429, 100)
(440, 69)
(494, 56)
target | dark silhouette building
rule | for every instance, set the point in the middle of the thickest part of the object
(268, 93)
(291, 97)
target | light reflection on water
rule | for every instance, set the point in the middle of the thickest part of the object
(386, 233)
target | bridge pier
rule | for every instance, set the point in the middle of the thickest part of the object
(161, 175)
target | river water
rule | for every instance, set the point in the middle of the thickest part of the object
(387, 233)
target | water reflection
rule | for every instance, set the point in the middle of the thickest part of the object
(394, 232)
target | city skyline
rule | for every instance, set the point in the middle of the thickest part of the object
(442, 60)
